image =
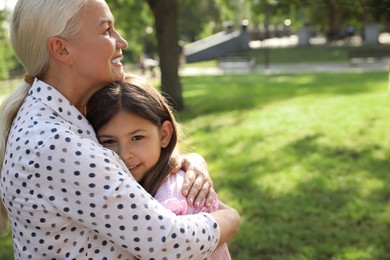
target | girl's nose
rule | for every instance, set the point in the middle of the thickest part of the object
(126, 154)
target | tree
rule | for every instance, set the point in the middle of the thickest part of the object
(330, 16)
(134, 27)
(166, 25)
(197, 18)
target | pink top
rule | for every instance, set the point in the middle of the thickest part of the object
(170, 196)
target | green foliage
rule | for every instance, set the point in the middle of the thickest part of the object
(197, 17)
(134, 21)
(4, 50)
(9, 64)
(3, 17)
(319, 14)
(304, 158)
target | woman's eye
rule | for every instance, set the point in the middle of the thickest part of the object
(107, 31)
(137, 138)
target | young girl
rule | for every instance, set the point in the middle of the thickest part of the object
(134, 120)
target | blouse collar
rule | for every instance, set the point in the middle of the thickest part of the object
(52, 98)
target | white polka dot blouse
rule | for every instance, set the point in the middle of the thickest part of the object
(69, 198)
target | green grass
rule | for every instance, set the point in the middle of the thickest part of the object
(304, 159)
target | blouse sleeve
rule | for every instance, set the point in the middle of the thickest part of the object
(91, 185)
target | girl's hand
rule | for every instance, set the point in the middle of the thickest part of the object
(197, 186)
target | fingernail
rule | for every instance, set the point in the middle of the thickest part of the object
(196, 204)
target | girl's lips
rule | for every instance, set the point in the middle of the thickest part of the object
(133, 168)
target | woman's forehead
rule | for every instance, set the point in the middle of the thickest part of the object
(97, 12)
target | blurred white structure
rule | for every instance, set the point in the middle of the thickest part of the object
(9, 4)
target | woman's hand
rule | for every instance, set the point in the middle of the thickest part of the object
(197, 186)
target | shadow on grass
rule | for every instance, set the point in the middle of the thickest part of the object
(330, 215)
(306, 199)
(210, 94)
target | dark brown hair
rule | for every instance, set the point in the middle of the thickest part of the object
(135, 95)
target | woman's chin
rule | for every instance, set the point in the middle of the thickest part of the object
(118, 75)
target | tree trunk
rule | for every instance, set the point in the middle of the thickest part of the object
(166, 22)
(335, 19)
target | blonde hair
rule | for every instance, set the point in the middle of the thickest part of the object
(33, 23)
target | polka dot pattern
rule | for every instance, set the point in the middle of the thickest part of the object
(69, 198)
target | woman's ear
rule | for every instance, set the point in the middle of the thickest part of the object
(166, 133)
(58, 49)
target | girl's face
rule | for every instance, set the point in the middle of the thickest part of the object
(136, 140)
(97, 51)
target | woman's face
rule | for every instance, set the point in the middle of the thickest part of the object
(98, 48)
(136, 140)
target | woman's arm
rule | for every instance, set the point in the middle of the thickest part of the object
(228, 220)
(110, 202)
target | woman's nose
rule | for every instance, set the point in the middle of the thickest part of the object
(121, 42)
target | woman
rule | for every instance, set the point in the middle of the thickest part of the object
(66, 196)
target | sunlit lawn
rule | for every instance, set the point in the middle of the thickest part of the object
(304, 158)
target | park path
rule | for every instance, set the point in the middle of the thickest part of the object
(290, 69)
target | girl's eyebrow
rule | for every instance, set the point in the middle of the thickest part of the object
(130, 133)
(136, 131)
(100, 136)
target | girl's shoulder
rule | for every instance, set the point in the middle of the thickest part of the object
(170, 196)
(169, 193)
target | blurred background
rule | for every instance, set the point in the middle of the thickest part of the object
(213, 29)
(287, 101)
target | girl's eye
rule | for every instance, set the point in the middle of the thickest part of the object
(137, 138)
(107, 142)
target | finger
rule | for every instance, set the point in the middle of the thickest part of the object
(175, 168)
(194, 190)
(210, 197)
(204, 193)
(188, 181)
